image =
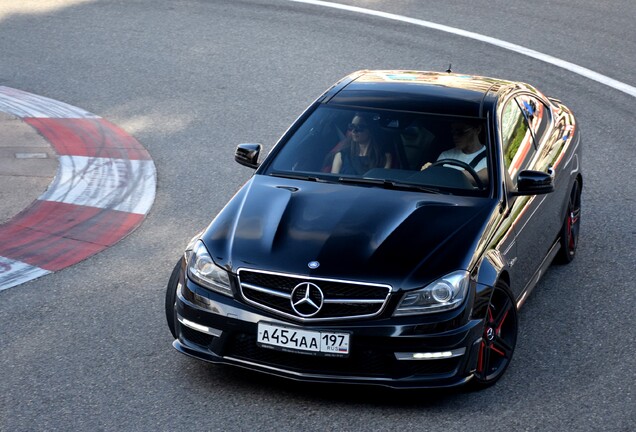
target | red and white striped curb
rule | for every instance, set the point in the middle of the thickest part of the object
(104, 186)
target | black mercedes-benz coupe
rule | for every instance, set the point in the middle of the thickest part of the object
(389, 237)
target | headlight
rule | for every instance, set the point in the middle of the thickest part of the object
(203, 271)
(444, 294)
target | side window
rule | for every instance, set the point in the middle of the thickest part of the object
(536, 114)
(517, 143)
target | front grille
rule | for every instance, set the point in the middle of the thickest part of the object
(363, 362)
(341, 299)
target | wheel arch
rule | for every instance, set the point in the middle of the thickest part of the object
(492, 270)
(577, 179)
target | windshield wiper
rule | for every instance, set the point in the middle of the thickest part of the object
(297, 176)
(388, 184)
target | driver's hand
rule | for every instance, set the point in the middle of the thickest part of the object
(426, 165)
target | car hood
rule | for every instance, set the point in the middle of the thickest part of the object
(370, 234)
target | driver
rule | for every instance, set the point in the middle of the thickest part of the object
(468, 149)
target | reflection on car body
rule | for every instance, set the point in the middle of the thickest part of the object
(386, 260)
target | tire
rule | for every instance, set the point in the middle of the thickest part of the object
(171, 297)
(571, 227)
(499, 338)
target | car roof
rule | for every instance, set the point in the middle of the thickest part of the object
(430, 92)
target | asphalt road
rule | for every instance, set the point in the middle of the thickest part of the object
(87, 348)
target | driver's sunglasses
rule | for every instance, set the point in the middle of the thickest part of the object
(357, 128)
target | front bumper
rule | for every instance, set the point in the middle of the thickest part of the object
(223, 330)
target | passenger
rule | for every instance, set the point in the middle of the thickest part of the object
(468, 149)
(361, 151)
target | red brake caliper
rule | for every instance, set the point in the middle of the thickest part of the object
(571, 221)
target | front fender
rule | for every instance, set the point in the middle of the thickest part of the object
(492, 268)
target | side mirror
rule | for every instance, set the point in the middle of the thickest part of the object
(247, 154)
(533, 183)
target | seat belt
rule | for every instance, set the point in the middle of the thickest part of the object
(473, 164)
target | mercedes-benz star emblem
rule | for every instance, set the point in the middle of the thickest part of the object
(307, 299)
(313, 265)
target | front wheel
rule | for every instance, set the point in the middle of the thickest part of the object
(171, 297)
(499, 338)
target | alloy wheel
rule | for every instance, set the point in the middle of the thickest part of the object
(571, 227)
(573, 220)
(499, 337)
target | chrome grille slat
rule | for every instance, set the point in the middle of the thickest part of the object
(265, 290)
(353, 301)
(343, 299)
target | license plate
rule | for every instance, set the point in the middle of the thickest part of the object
(303, 341)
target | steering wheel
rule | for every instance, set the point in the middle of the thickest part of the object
(463, 165)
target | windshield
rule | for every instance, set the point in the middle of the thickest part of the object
(388, 149)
